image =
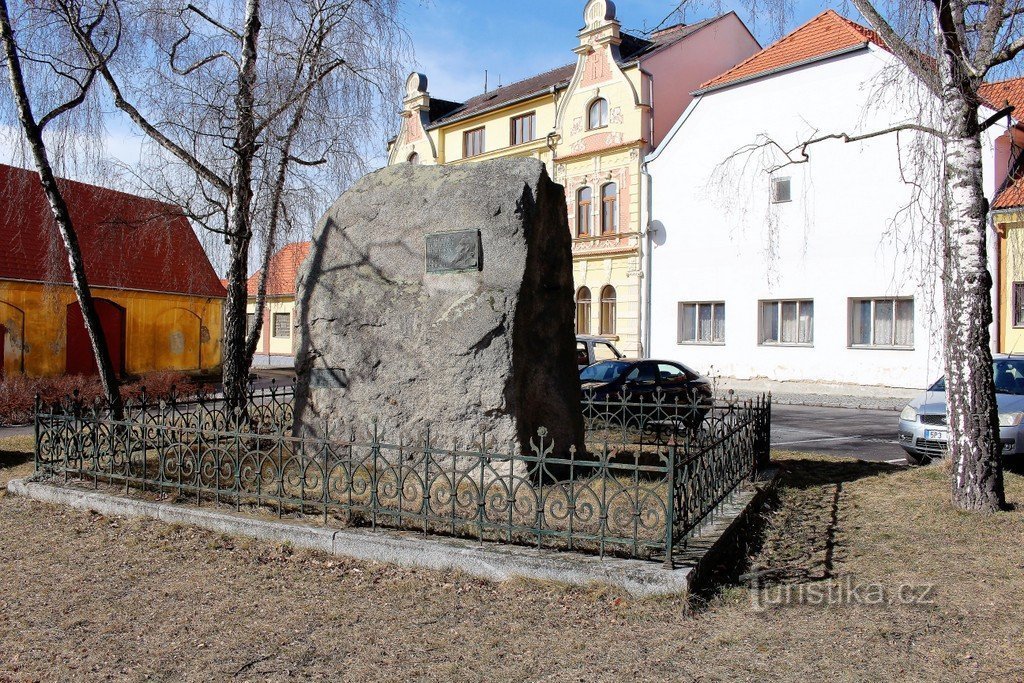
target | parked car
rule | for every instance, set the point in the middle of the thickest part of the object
(649, 391)
(924, 426)
(590, 350)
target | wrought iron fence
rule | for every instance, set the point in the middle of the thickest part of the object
(653, 472)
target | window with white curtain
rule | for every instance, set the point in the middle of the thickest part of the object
(701, 322)
(882, 323)
(787, 322)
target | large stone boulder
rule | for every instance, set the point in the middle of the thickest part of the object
(442, 296)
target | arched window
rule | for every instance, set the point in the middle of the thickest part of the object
(583, 310)
(597, 117)
(608, 310)
(584, 199)
(609, 208)
(414, 159)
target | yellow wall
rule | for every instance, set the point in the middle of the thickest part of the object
(162, 331)
(497, 133)
(268, 343)
(1011, 262)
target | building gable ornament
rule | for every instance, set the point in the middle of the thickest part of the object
(597, 60)
(415, 119)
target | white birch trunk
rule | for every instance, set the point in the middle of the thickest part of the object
(974, 445)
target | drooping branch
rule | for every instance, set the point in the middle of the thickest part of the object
(33, 132)
(913, 59)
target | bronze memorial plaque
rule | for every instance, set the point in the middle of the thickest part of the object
(453, 252)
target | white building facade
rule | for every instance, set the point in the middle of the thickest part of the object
(765, 263)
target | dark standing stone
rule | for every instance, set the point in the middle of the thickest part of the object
(442, 296)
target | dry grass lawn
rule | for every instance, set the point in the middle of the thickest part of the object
(85, 597)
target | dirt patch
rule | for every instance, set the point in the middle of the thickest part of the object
(90, 597)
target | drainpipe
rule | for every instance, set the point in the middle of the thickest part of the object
(646, 263)
(646, 246)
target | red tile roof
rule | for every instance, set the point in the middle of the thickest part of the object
(282, 270)
(997, 95)
(1011, 196)
(127, 242)
(825, 34)
(1001, 93)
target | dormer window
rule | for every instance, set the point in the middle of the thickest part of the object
(597, 117)
(414, 159)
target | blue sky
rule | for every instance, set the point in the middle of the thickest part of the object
(455, 40)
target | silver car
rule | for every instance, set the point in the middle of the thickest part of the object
(590, 350)
(924, 427)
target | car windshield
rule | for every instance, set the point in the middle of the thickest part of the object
(1008, 374)
(605, 371)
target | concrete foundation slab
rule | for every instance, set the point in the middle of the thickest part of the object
(491, 561)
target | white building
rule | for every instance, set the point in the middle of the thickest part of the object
(807, 271)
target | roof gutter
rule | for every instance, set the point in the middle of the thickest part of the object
(786, 67)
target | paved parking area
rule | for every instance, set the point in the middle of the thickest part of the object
(848, 432)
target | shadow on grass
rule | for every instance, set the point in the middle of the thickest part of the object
(796, 537)
(9, 458)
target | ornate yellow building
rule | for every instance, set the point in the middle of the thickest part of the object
(591, 122)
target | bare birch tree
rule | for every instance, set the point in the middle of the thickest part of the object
(256, 112)
(59, 82)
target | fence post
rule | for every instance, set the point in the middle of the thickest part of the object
(35, 444)
(670, 499)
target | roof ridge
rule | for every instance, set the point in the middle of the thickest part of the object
(827, 15)
(523, 80)
(1003, 80)
(94, 186)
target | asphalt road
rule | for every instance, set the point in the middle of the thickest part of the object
(847, 432)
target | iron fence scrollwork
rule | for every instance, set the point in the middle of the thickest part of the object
(653, 472)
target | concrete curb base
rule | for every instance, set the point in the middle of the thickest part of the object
(493, 561)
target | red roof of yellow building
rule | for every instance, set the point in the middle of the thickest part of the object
(998, 94)
(282, 270)
(824, 35)
(127, 242)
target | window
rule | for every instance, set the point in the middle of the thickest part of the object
(414, 159)
(282, 325)
(583, 310)
(473, 142)
(605, 351)
(1018, 304)
(781, 190)
(583, 201)
(609, 208)
(787, 322)
(882, 322)
(582, 354)
(671, 374)
(643, 373)
(524, 128)
(608, 310)
(597, 116)
(250, 322)
(702, 323)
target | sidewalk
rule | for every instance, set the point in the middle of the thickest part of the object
(828, 394)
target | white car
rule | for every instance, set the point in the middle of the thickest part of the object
(590, 350)
(924, 430)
